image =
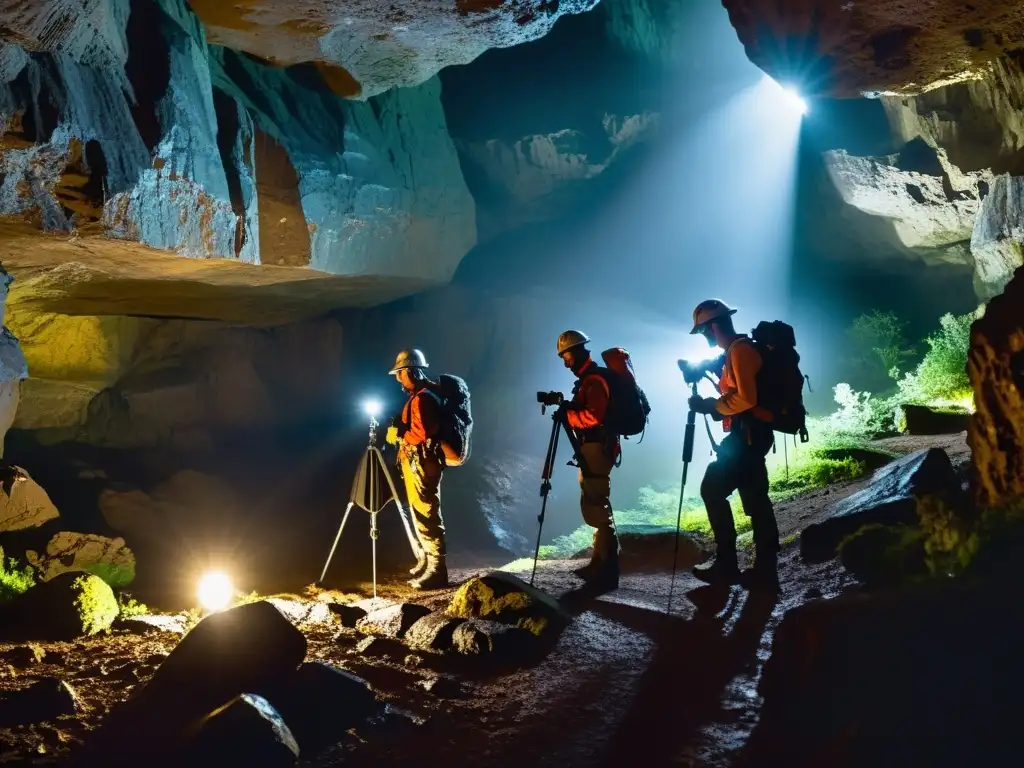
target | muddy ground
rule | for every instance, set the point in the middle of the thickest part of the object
(626, 683)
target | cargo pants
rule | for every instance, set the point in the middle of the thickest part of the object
(422, 471)
(595, 488)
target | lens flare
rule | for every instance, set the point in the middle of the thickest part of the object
(215, 591)
(795, 101)
(786, 95)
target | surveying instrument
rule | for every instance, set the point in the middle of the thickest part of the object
(547, 400)
(367, 494)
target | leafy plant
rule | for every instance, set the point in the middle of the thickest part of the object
(877, 347)
(14, 578)
(129, 606)
(941, 377)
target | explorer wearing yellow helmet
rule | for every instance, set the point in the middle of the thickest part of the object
(740, 461)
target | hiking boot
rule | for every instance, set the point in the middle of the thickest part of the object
(421, 563)
(723, 570)
(588, 571)
(604, 578)
(434, 577)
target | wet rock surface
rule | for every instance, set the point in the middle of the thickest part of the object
(889, 499)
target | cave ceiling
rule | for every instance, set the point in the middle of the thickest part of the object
(847, 48)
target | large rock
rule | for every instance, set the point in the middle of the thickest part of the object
(42, 700)
(505, 598)
(69, 552)
(392, 622)
(321, 702)
(926, 211)
(856, 680)
(23, 503)
(247, 731)
(922, 420)
(493, 640)
(845, 49)
(997, 243)
(995, 364)
(889, 499)
(370, 47)
(248, 649)
(432, 633)
(13, 368)
(67, 607)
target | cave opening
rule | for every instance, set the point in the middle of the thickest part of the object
(148, 68)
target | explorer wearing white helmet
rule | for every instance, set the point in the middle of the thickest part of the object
(585, 414)
(422, 468)
(740, 461)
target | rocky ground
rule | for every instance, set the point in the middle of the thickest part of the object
(622, 674)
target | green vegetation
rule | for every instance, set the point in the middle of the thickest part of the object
(877, 347)
(95, 604)
(14, 579)
(128, 606)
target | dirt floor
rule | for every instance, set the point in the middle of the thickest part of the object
(623, 674)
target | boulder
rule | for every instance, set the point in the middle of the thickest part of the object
(995, 364)
(45, 699)
(922, 420)
(69, 552)
(889, 499)
(70, 606)
(302, 612)
(349, 614)
(504, 642)
(857, 679)
(505, 598)
(251, 648)
(884, 555)
(321, 702)
(997, 243)
(433, 632)
(246, 731)
(23, 656)
(23, 503)
(392, 622)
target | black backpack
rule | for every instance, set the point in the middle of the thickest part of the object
(456, 428)
(780, 382)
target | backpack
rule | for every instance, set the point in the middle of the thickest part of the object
(780, 382)
(456, 428)
(628, 408)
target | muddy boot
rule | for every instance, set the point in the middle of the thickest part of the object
(722, 571)
(421, 563)
(435, 576)
(587, 571)
(764, 575)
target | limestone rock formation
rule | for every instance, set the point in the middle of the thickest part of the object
(13, 368)
(849, 48)
(24, 505)
(69, 552)
(134, 125)
(997, 242)
(370, 47)
(995, 364)
(931, 214)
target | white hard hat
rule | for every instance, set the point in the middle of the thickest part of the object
(409, 358)
(571, 339)
(709, 310)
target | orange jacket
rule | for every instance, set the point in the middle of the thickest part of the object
(589, 405)
(421, 417)
(738, 383)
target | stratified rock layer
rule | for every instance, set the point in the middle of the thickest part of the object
(995, 364)
(849, 48)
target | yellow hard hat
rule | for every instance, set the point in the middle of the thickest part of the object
(571, 339)
(409, 358)
(709, 310)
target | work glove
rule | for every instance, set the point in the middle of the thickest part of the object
(391, 438)
(700, 404)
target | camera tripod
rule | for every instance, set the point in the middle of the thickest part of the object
(691, 418)
(366, 493)
(558, 420)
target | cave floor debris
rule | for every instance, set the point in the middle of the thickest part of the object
(621, 675)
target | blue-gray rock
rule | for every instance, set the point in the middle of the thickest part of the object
(888, 499)
(247, 731)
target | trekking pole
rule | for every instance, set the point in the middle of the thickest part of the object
(691, 418)
(545, 483)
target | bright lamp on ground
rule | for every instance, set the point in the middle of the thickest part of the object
(215, 591)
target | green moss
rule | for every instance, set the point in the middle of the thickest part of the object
(14, 579)
(95, 603)
(116, 575)
(128, 606)
(493, 598)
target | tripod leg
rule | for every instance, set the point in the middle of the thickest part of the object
(373, 546)
(337, 538)
(406, 521)
(545, 486)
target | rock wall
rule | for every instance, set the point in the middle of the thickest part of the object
(126, 120)
(996, 368)
(13, 368)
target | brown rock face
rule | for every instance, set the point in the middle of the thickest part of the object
(996, 367)
(846, 48)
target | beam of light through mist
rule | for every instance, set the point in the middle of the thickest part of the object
(789, 97)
